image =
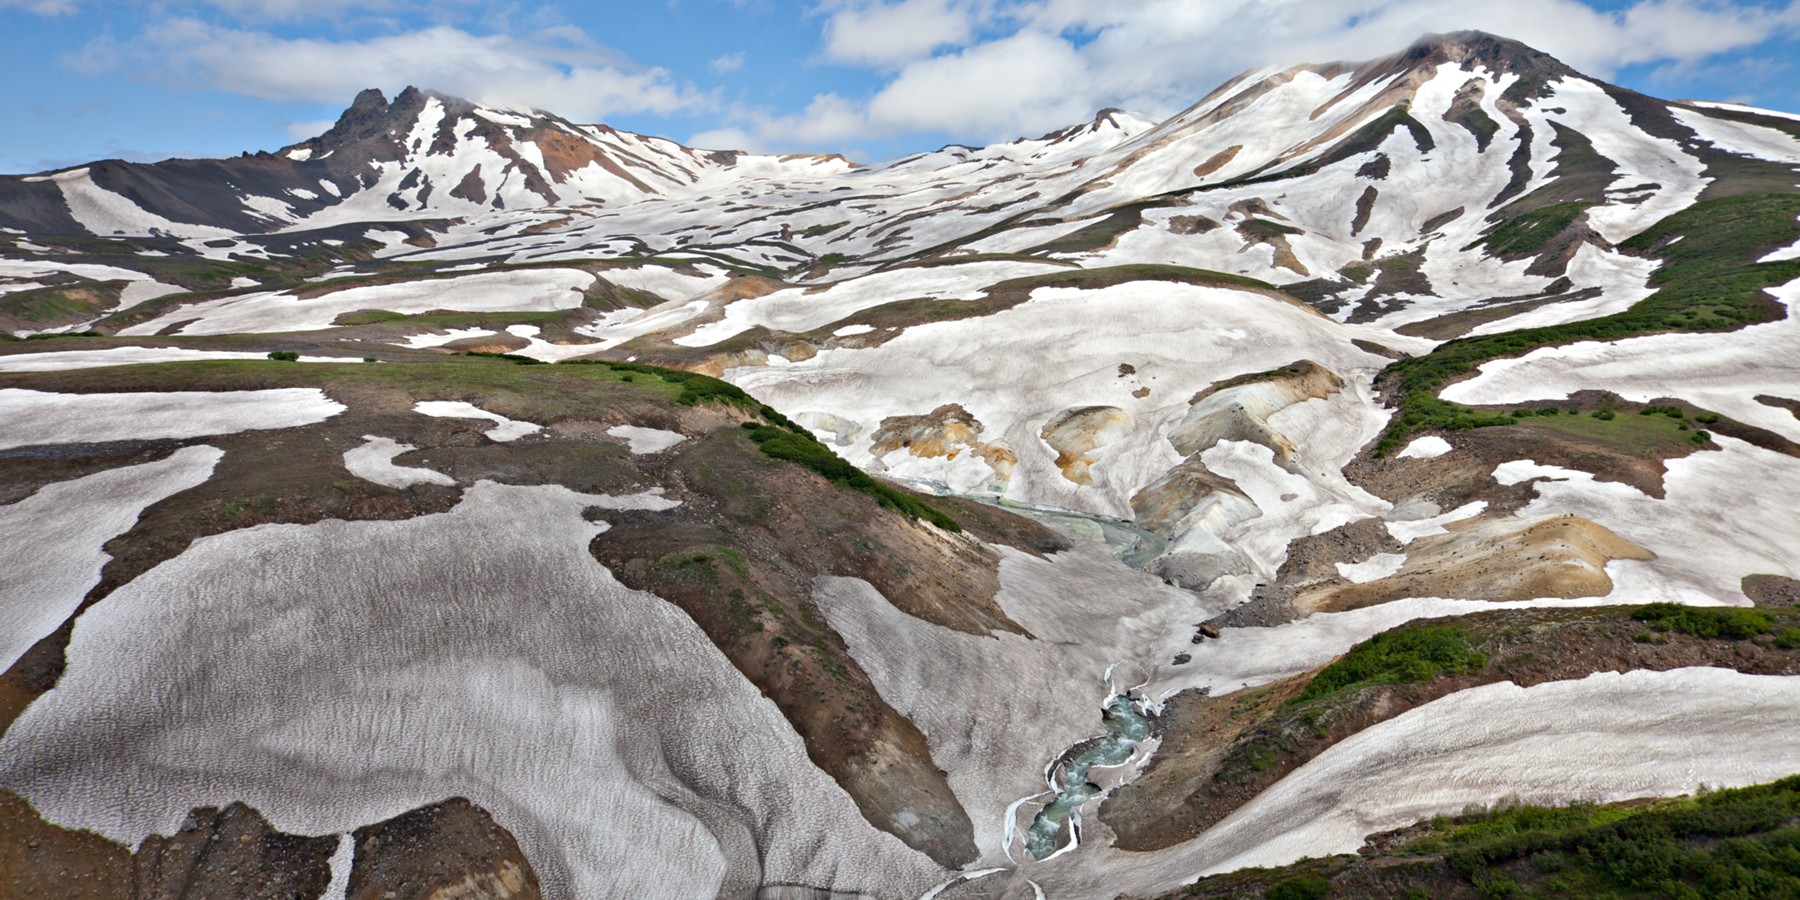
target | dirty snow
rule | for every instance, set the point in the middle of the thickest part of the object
(471, 653)
(36, 417)
(646, 440)
(52, 552)
(504, 429)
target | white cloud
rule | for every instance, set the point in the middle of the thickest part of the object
(730, 62)
(300, 131)
(997, 70)
(570, 77)
(884, 34)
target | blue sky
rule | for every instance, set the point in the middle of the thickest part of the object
(148, 79)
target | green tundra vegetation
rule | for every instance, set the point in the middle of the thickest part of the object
(1710, 281)
(1738, 844)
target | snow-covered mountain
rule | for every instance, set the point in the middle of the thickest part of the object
(1457, 332)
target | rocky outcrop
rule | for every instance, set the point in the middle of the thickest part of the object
(1076, 435)
(446, 851)
(451, 850)
(1495, 559)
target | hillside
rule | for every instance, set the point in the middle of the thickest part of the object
(1083, 514)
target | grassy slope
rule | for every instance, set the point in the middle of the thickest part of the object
(1710, 281)
(1738, 844)
(1275, 729)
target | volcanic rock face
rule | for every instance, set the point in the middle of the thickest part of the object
(447, 851)
(855, 493)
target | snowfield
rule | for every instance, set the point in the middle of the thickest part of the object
(52, 553)
(37, 417)
(1720, 372)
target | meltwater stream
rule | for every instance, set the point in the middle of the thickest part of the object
(1125, 729)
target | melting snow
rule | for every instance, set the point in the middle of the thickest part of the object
(1428, 447)
(374, 461)
(505, 429)
(36, 417)
(646, 440)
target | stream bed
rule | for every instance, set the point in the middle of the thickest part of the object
(1126, 727)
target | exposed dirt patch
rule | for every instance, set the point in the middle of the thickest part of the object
(447, 851)
(1219, 759)
(945, 431)
(1792, 406)
(1217, 161)
(497, 343)
(38, 859)
(1494, 559)
(1772, 590)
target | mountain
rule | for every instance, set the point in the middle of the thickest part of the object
(1364, 442)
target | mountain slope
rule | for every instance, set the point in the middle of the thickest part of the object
(1187, 410)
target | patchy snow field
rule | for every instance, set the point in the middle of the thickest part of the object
(1721, 372)
(530, 290)
(60, 360)
(378, 666)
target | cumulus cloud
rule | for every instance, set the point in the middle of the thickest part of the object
(730, 62)
(884, 33)
(995, 70)
(559, 72)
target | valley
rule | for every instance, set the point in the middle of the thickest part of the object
(1146, 508)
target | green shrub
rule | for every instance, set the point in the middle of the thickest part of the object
(1301, 887)
(284, 355)
(1729, 622)
(1604, 415)
(1788, 638)
(509, 357)
(1402, 656)
(1548, 411)
(794, 444)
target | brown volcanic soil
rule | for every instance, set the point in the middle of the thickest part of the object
(1772, 590)
(446, 851)
(225, 853)
(739, 555)
(451, 850)
(1219, 753)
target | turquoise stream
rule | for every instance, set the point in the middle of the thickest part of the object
(1125, 729)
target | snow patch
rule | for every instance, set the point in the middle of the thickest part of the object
(646, 440)
(374, 461)
(505, 429)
